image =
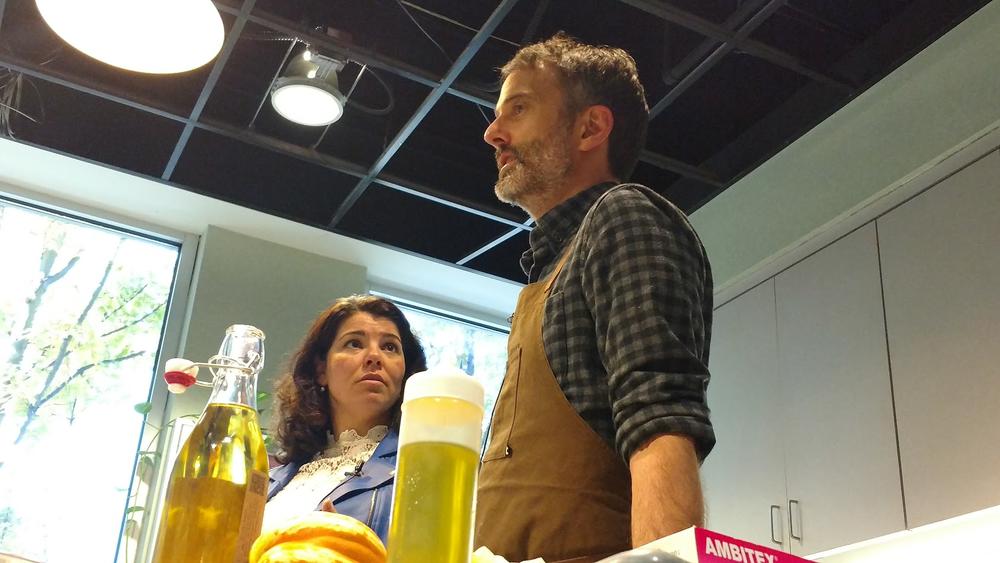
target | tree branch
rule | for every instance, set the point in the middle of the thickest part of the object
(125, 302)
(49, 280)
(43, 285)
(64, 347)
(134, 322)
(82, 370)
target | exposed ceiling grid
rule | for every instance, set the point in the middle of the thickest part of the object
(730, 83)
(220, 62)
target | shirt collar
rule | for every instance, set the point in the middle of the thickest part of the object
(556, 228)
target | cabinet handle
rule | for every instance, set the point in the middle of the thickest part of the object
(791, 520)
(780, 526)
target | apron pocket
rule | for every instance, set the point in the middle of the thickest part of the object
(504, 411)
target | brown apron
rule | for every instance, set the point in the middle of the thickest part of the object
(549, 486)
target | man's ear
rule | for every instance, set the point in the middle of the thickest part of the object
(596, 125)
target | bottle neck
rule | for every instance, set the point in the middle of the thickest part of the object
(234, 387)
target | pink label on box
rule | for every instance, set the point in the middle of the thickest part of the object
(717, 548)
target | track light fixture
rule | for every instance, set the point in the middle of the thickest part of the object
(154, 36)
(308, 91)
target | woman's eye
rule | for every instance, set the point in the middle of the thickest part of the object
(391, 347)
(354, 343)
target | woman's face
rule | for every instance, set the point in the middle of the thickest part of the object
(364, 366)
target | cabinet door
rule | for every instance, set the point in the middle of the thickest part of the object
(745, 475)
(941, 269)
(842, 464)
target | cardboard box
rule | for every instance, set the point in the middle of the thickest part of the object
(698, 545)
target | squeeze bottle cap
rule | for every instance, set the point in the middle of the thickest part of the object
(444, 382)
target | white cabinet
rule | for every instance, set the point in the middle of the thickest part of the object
(745, 476)
(841, 461)
(802, 406)
(941, 270)
(815, 432)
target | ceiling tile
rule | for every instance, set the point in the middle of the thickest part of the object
(712, 10)
(734, 95)
(447, 152)
(257, 178)
(416, 224)
(817, 42)
(95, 128)
(503, 260)
(686, 193)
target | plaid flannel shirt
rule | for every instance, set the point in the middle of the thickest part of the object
(627, 326)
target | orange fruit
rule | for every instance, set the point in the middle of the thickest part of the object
(301, 552)
(322, 532)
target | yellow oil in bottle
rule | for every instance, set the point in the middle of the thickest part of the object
(215, 499)
(434, 485)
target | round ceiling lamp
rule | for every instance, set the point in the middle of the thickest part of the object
(308, 92)
(152, 36)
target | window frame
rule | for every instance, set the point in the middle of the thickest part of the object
(170, 337)
(445, 311)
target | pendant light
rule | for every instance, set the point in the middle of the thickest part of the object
(153, 36)
(308, 92)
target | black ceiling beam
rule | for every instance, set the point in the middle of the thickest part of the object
(206, 91)
(274, 78)
(358, 54)
(282, 147)
(432, 98)
(446, 19)
(225, 130)
(751, 47)
(716, 55)
(536, 20)
(672, 75)
(822, 24)
(449, 200)
(458, 89)
(496, 242)
(681, 168)
(361, 55)
(243, 135)
(59, 78)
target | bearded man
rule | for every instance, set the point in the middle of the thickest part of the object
(602, 419)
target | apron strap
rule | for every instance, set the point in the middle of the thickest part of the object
(559, 267)
(575, 242)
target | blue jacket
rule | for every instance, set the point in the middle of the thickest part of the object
(367, 495)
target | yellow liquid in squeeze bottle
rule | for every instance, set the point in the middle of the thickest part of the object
(215, 499)
(436, 469)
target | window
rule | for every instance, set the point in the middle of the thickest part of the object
(477, 349)
(82, 310)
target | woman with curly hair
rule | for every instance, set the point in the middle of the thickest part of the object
(339, 411)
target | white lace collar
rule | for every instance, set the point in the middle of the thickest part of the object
(342, 459)
(350, 442)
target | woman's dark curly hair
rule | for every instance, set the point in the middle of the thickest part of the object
(303, 408)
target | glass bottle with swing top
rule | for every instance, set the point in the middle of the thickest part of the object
(215, 498)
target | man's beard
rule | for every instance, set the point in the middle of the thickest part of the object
(535, 168)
